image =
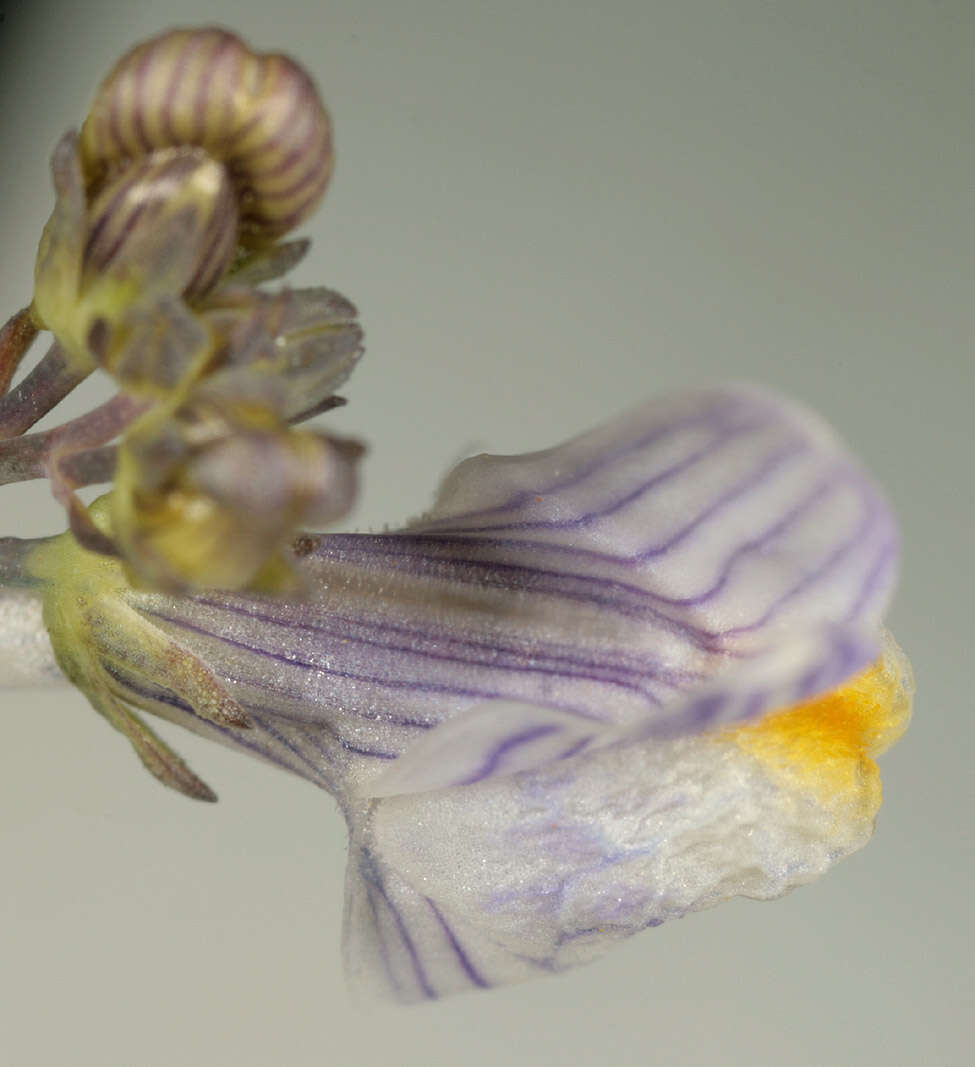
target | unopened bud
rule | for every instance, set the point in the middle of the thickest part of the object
(260, 115)
(208, 496)
(169, 224)
(291, 349)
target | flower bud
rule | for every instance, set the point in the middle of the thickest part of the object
(290, 349)
(209, 495)
(169, 223)
(164, 230)
(260, 115)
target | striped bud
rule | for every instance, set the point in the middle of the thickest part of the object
(259, 115)
(170, 218)
(118, 268)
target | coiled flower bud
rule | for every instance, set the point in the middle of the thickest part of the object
(196, 156)
(258, 115)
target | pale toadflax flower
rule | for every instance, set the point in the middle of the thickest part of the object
(594, 688)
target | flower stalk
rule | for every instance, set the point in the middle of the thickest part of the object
(43, 388)
(16, 337)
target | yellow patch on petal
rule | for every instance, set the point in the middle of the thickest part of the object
(825, 746)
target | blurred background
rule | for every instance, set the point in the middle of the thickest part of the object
(545, 212)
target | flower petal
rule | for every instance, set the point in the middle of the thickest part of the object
(166, 226)
(536, 872)
(502, 738)
(549, 674)
(736, 513)
(497, 738)
(258, 114)
(601, 580)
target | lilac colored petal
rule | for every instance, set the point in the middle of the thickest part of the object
(493, 739)
(400, 944)
(502, 738)
(503, 879)
(520, 701)
(796, 669)
(598, 580)
(734, 511)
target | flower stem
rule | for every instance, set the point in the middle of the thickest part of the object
(16, 336)
(30, 456)
(45, 386)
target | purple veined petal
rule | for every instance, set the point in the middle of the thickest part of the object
(258, 114)
(499, 739)
(168, 224)
(398, 944)
(602, 579)
(797, 668)
(540, 673)
(537, 872)
(735, 511)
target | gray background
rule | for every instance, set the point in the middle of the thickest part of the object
(546, 211)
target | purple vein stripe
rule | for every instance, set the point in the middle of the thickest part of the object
(370, 873)
(133, 692)
(610, 671)
(843, 549)
(139, 102)
(495, 651)
(462, 958)
(373, 753)
(179, 71)
(498, 753)
(371, 897)
(380, 681)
